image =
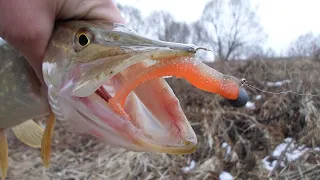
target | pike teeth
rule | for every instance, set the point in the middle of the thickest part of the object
(85, 89)
(89, 87)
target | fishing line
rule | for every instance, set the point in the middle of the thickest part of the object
(244, 82)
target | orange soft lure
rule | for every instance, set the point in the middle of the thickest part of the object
(195, 72)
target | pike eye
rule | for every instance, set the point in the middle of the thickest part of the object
(83, 40)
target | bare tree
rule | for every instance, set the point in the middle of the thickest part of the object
(258, 52)
(270, 53)
(306, 45)
(160, 22)
(253, 51)
(133, 18)
(159, 25)
(228, 26)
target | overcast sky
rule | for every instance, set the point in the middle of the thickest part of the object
(283, 20)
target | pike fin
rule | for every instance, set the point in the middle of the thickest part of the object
(3, 154)
(29, 133)
(46, 140)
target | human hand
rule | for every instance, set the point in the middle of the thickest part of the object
(27, 25)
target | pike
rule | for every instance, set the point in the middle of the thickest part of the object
(104, 79)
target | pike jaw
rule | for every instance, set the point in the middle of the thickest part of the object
(86, 64)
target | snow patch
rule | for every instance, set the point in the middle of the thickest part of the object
(278, 83)
(293, 152)
(227, 147)
(225, 176)
(267, 164)
(191, 166)
(258, 97)
(250, 105)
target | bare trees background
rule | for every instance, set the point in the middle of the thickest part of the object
(230, 28)
(226, 27)
(306, 45)
(159, 24)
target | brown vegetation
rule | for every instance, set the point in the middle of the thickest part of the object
(252, 134)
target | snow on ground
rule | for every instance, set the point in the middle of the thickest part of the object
(191, 166)
(281, 147)
(293, 152)
(250, 105)
(278, 83)
(258, 97)
(225, 176)
(227, 147)
(267, 164)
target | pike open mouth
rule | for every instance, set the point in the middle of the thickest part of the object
(140, 96)
(106, 80)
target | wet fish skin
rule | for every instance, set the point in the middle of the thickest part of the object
(22, 96)
(74, 69)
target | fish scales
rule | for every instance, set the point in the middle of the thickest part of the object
(21, 95)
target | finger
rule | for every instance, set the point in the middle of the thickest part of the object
(27, 26)
(88, 9)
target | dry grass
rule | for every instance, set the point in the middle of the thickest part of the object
(252, 133)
